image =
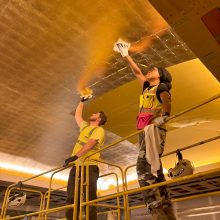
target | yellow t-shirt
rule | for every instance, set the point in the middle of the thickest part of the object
(89, 132)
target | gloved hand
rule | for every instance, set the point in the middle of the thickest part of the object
(159, 121)
(121, 47)
(70, 159)
(85, 98)
(86, 94)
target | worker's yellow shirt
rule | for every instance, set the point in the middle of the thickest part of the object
(89, 132)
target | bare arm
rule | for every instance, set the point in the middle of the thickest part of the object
(166, 100)
(78, 113)
(86, 147)
(136, 70)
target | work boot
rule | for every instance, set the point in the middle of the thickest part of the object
(155, 209)
(169, 212)
(163, 213)
(159, 214)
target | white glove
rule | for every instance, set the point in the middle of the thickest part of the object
(160, 120)
(121, 47)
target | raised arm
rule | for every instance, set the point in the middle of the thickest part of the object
(78, 113)
(122, 47)
(79, 108)
(136, 70)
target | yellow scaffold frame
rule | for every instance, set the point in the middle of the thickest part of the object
(46, 195)
(42, 214)
(118, 207)
(25, 190)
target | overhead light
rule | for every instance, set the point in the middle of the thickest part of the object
(165, 171)
(103, 183)
(29, 170)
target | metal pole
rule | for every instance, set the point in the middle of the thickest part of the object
(123, 185)
(5, 200)
(183, 199)
(170, 118)
(193, 145)
(108, 146)
(39, 212)
(49, 190)
(195, 107)
(81, 190)
(87, 191)
(76, 193)
(101, 213)
(26, 190)
(180, 179)
(173, 152)
(14, 184)
(117, 188)
(45, 195)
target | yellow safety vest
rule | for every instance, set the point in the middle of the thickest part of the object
(149, 102)
(85, 135)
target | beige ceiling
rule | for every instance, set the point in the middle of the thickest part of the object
(50, 49)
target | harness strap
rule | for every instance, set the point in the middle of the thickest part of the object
(90, 133)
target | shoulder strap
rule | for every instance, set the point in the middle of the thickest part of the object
(154, 89)
(84, 128)
(92, 130)
(90, 133)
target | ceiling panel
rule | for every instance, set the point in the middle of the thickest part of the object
(50, 49)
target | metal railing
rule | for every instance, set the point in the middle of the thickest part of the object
(5, 201)
(43, 213)
(4, 210)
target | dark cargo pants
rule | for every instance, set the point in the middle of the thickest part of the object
(93, 177)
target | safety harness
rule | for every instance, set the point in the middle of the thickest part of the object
(89, 135)
(149, 102)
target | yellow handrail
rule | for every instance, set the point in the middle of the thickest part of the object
(26, 190)
(57, 209)
(50, 185)
(193, 145)
(170, 118)
(124, 194)
(183, 198)
(195, 107)
(173, 152)
(156, 185)
(117, 187)
(52, 190)
(15, 184)
(87, 185)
